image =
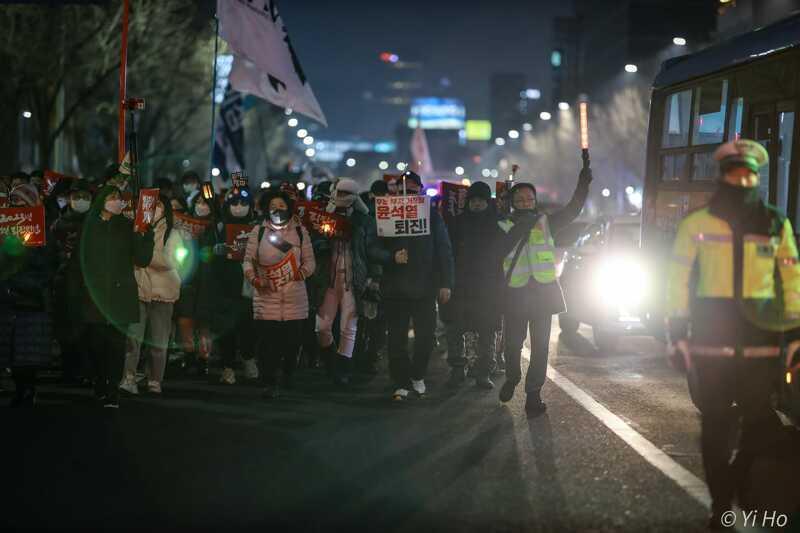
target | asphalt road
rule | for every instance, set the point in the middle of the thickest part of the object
(208, 457)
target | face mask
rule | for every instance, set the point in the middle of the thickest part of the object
(240, 211)
(345, 201)
(202, 210)
(189, 187)
(80, 206)
(113, 206)
(62, 202)
(279, 216)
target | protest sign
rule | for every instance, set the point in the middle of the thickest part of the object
(194, 227)
(403, 216)
(145, 213)
(239, 180)
(3, 200)
(236, 236)
(281, 274)
(454, 199)
(51, 179)
(25, 223)
(315, 218)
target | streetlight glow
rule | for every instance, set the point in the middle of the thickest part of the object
(215, 172)
(629, 189)
(301, 185)
(679, 41)
(383, 165)
(527, 126)
(466, 181)
(533, 94)
(400, 166)
(292, 122)
(310, 152)
(631, 68)
(513, 134)
(486, 173)
(27, 114)
(459, 171)
(288, 111)
(499, 141)
(544, 115)
(495, 173)
(563, 106)
(606, 193)
(350, 162)
(308, 141)
(302, 132)
(265, 185)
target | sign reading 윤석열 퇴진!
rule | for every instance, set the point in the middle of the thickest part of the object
(403, 216)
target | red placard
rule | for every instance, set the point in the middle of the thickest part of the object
(3, 201)
(190, 225)
(145, 212)
(51, 179)
(315, 218)
(454, 199)
(26, 223)
(236, 236)
(281, 274)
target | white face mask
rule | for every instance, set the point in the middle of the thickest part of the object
(62, 202)
(80, 206)
(345, 201)
(113, 206)
(202, 210)
(240, 211)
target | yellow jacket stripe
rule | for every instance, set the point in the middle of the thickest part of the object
(537, 259)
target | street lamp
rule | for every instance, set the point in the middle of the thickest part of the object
(301, 185)
(527, 126)
(302, 132)
(544, 115)
(400, 166)
(310, 152)
(563, 106)
(606, 193)
(679, 41)
(513, 134)
(631, 68)
(350, 162)
(629, 189)
(292, 122)
(27, 114)
(459, 171)
(383, 165)
(215, 172)
(265, 185)
(486, 173)
(288, 111)
(308, 141)
(499, 141)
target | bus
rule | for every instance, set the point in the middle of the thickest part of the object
(745, 87)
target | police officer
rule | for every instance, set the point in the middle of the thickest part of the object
(532, 293)
(719, 323)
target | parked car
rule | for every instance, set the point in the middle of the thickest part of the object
(606, 282)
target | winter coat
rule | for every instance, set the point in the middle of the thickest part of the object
(101, 278)
(365, 253)
(193, 282)
(289, 302)
(65, 235)
(159, 281)
(25, 324)
(429, 267)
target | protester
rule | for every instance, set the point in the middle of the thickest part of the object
(416, 270)
(190, 183)
(159, 287)
(165, 188)
(25, 324)
(192, 329)
(20, 178)
(279, 309)
(103, 286)
(69, 331)
(226, 300)
(474, 306)
(532, 294)
(344, 274)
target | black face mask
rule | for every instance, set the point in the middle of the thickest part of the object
(279, 216)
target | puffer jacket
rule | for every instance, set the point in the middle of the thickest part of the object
(290, 302)
(159, 281)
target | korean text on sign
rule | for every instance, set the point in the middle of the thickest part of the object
(403, 216)
(24, 223)
(145, 213)
(282, 273)
(236, 236)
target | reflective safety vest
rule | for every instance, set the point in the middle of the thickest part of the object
(706, 241)
(538, 256)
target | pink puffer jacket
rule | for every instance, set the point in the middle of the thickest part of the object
(289, 302)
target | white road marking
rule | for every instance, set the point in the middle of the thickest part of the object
(691, 484)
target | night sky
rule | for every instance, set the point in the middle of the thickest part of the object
(339, 42)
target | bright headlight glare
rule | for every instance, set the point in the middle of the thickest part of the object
(621, 282)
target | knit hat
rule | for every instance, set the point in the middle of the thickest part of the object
(379, 188)
(347, 185)
(79, 185)
(25, 193)
(410, 176)
(479, 189)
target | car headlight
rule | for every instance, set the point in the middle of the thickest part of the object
(621, 282)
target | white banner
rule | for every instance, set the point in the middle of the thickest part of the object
(265, 64)
(403, 216)
(420, 154)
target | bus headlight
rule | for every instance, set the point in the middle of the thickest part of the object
(621, 282)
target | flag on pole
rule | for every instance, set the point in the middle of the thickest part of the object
(265, 63)
(125, 166)
(228, 153)
(420, 154)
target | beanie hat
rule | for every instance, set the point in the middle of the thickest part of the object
(479, 189)
(347, 185)
(413, 176)
(26, 193)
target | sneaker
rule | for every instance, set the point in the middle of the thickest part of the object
(250, 368)
(129, 385)
(507, 391)
(154, 387)
(228, 377)
(400, 394)
(534, 406)
(484, 383)
(418, 385)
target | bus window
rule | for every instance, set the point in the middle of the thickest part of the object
(676, 119)
(735, 122)
(704, 167)
(709, 112)
(762, 133)
(672, 166)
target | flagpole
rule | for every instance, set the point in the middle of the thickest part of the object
(213, 99)
(123, 81)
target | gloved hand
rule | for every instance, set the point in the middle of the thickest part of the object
(585, 176)
(221, 249)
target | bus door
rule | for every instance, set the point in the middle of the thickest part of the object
(773, 125)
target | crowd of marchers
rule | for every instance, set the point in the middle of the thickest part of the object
(125, 310)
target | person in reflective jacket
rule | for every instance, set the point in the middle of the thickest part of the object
(532, 293)
(724, 326)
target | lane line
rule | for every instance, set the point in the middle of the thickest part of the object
(691, 484)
